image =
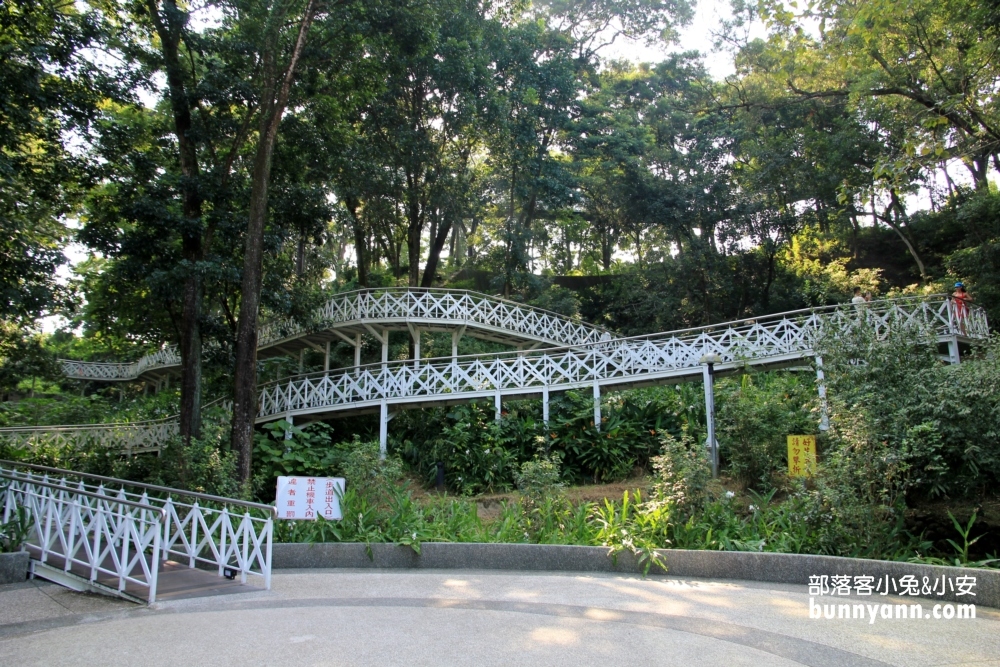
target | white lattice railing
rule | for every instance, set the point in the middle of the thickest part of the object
(783, 337)
(441, 308)
(453, 308)
(79, 534)
(194, 528)
(168, 357)
(127, 438)
(616, 361)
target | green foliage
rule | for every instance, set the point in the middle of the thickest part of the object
(283, 449)
(681, 472)
(908, 425)
(539, 476)
(16, 530)
(755, 418)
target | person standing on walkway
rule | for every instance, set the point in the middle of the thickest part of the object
(962, 299)
(858, 299)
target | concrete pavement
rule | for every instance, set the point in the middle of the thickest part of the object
(353, 617)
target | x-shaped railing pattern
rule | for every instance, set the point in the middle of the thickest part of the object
(442, 307)
(128, 438)
(608, 361)
(439, 308)
(195, 528)
(612, 362)
(108, 541)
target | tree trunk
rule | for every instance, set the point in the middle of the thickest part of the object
(359, 240)
(434, 252)
(245, 373)
(414, 229)
(904, 233)
(169, 28)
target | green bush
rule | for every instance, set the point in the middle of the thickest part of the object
(539, 476)
(910, 425)
(754, 421)
(681, 473)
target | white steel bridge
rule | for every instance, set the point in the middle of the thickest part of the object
(350, 316)
(589, 358)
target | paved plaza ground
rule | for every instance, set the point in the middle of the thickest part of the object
(352, 617)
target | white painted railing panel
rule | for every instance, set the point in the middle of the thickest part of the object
(608, 361)
(616, 361)
(442, 308)
(91, 536)
(127, 438)
(193, 528)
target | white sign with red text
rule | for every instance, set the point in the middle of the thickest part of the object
(309, 497)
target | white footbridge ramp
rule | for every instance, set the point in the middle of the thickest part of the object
(137, 541)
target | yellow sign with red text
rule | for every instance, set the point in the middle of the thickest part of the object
(801, 455)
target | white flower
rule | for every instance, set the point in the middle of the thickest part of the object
(487, 450)
(729, 494)
(753, 508)
(414, 536)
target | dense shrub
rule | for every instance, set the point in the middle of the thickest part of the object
(909, 425)
(756, 414)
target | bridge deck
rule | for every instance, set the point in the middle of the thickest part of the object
(174, 581)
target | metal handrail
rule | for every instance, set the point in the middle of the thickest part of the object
(151, 487)
(681, 334)
(146, 362)
(13, 476)
(473, 294)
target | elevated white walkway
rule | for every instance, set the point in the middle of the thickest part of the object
(350, 316)
(598, 363)
(778, 340)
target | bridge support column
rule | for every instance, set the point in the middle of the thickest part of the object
(708, 378)
(597, 406)
(326, 358)
(455, 337)
(383, 428)
(824, 411)
(545, 407)
(357, 352)
(496, 406)
(302, 360)
(953, 353)
(415, 334)
(385, 349)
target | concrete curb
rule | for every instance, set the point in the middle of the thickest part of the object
(13, 567)
(746, 566)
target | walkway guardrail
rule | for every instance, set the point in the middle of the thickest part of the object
(128, 438)
(436, 307)
(453, 307)
(608, 362)
(194, 528)
(82, 535)
(623, 361)
(168, 357)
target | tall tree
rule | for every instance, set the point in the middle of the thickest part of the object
(280, 29)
